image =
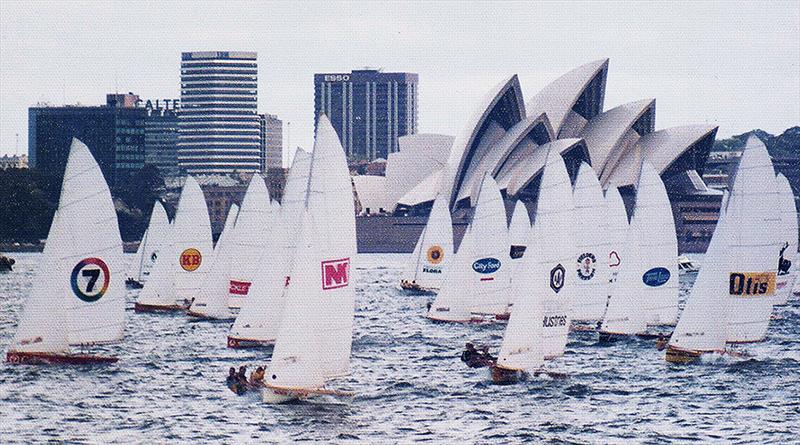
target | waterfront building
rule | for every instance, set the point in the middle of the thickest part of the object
(161, 136)
(113, 132)
(15, 161)
(271, 141)
(219, 130)
(368, 108)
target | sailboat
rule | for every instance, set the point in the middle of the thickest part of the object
(212, 300)
(475, 286)
(787, 271)
(153, 241)
(592, 244)
(732, 298)
(315, 336)
(78, 296)
(260, 316)
(755, 241)
(554, 244)
(519, 234)
(432, 254)
(618, 227)
(177, 276)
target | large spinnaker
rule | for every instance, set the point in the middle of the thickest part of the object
(658, 248)
(592, 242)
(478, 281)
(555, 253)
(755, 235)
(787, 269)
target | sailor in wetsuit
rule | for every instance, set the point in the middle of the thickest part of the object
(783, 264)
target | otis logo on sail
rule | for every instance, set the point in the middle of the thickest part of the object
(748, 284)
(239, 287)
(486, 265)
(335, 273)
(191, 259)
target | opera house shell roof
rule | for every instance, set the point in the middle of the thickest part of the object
(510, 138)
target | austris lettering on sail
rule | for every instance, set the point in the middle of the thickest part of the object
(752, 284)
(335, 273)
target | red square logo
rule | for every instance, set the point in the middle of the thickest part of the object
(335, 273)
(239, 287)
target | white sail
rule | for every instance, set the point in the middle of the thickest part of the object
(433, 250)
(315, 336)
(153, 241)
(212, 299)
(787, 270)
(189, 257)
(519, 234)
(82, 277)
(522, 347)
(479, 279)
(554, 253)
(658, 248)
(625, 314)
(260, 317)
(755, 235)
(702, 327)
(159, 290)
(592, 242)
(617, 234)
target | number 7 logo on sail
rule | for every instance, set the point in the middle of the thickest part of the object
(335, 273)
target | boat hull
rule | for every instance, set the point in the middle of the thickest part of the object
(275, 395)
(196, 316)
(610, 337)
(682, 356)
(245, 343)
(415, 289)
(152, 308)
(43, 358)
(130, 283)
(504, 376)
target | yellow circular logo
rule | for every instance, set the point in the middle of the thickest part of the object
(435, 254)
(191, 259)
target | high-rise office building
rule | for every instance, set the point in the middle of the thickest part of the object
(271, 141)
(114, 134)
(161, 136)
(218, 123)
(369, 109)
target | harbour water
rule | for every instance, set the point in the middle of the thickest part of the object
(409, 385)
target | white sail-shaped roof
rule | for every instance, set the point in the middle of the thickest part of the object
(420, 155)
(572, 99)
(79, 294)
(754, 247)
(526, 165)
(788, 243)
(478, 279)
(592, 243)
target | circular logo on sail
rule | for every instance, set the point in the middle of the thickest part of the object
(486, 265)
(586, 266)
(435, 254)
(656, 276)
(557, 278)
(90, 278)
(191, 259)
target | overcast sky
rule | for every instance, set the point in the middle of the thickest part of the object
(733, 65)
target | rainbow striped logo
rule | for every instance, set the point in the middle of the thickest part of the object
(90, 279)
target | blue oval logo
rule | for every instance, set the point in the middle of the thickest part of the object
(656, 276)
(486, 265)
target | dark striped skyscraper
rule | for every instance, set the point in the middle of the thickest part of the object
(369, 109)
(218, 125)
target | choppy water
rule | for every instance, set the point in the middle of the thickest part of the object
(410, 385)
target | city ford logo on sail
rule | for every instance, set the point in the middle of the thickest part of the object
(486, 265)
(656, 276)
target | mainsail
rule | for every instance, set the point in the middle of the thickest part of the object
(433, 250)
(787, 270)
(153, 241)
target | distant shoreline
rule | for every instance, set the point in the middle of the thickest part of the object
(30, 247)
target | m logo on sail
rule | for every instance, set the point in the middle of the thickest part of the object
(335, 273)
(747, 284)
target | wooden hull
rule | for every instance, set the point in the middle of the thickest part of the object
(416, 289)
(503, 376)
(196, 316)
(151, 308)
(245, 343)
(675, 355)
(42, 358)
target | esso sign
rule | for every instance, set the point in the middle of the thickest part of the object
(337, 78)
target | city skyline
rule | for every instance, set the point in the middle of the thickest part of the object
(736, 66)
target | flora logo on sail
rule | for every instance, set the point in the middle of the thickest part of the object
(435, 254)
(191, 259)
(335, 273)
(747, 284)
(90, 279)
(486, 265)
(239, 287)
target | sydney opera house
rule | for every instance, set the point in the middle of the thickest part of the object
(510, 137)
